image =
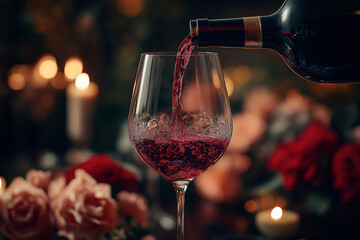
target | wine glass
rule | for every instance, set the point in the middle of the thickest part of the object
(180, 133)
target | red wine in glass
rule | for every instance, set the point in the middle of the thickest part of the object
(181, 158)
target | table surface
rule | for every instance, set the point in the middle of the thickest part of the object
(205, 220)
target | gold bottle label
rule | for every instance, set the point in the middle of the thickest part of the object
(253, 32)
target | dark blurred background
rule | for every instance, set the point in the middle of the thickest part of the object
(109, 36)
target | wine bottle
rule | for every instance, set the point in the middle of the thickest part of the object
(318, 39)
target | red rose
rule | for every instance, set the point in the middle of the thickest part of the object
(297, 160)
(105, 170)
(346, 170)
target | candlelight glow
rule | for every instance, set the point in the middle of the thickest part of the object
(23, 69)
(37, 80)
(73, 67)
(216, 79)
(276, 213)
(229, 86)
(82, 81)
(2, 184)
(130, 8)
(280, 202)
(250, 206)
(241, 75)
(16, 81)
(48, 67)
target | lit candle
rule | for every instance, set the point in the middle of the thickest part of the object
(81, 99)
(277, 222)
(2, 185)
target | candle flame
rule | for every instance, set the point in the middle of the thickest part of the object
(82, 81)
(276, 213)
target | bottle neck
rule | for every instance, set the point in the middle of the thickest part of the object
(247, 32)
(253, 32)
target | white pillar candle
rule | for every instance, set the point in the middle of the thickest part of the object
(277, 223)
(81, 99)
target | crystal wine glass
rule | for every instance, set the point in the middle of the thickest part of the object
(180, 129)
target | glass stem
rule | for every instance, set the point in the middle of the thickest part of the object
(180, 188)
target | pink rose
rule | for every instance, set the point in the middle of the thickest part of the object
(321, 114)
(135, 205)
(39, 178)
(56, 187)
(26, 212)
(248, 128)
(220, 183)
(85, 209)
(261, 101)
(295, 103)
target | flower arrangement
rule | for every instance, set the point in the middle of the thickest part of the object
(95, 200)
(291, 144)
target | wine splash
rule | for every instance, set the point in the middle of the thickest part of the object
(183, 57)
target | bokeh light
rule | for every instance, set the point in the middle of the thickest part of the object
(131, 8)
(242, 74)
(24, 70)
(16, 81)
(2, 185)
(73, 67)
(216, 79)
(250, 206)
(229, 86)
(48, 67)
(82, 81)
